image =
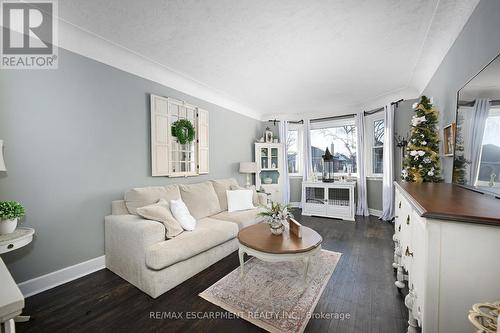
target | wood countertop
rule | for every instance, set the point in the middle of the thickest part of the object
(451, 202)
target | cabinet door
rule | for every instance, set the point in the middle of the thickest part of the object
(264, 158)
(159, 136)
(203, 142)
(274, 163)
(417, 272)
(315, 200)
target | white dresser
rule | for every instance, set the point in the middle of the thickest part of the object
(447, 251)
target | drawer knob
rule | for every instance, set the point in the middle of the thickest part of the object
(408, 253)
(408, 220)
(399, 228)
(400, 204)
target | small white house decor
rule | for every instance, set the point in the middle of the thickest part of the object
(10, 212)
(179, 138)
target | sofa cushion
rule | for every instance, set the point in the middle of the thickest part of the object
(143, 196)
(243, 218)
(200, 199)
(161, 213)
(209, 233)
(221, 186)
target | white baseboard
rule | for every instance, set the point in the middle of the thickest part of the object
(375, 212)
(54, 279)
(295, 204)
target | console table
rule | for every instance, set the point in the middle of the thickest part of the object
(11, 298)
(334, 200)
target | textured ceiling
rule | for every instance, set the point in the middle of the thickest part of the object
(285, 56)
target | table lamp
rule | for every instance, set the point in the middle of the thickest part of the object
(248, 168)
(2, 163)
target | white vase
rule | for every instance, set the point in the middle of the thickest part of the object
(8, 226)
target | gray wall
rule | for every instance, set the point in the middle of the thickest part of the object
(476, 46)
(77, 138)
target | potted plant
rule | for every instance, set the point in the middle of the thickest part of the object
(10, 212)
(276, 215)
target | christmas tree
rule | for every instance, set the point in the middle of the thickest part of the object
(421, 163)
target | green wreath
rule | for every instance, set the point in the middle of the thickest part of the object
(183, 130)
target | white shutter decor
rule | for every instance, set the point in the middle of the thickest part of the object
(203, 144)
(160, 132)
(168, 156)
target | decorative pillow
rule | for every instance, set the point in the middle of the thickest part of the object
(221, 186)
(181, 214)
(143, 196)
(239, 200)
(201, 199)
(161, 213)
(255, 196)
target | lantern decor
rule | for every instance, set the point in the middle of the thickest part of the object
(328, 167)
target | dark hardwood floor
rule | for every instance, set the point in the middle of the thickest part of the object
(361, 286)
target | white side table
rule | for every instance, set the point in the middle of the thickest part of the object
(20, 237)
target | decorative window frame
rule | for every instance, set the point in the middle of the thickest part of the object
(164, 112)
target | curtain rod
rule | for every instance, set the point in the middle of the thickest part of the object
(344, 116)
(471, 103)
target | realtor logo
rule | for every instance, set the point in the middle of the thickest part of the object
(29, 30)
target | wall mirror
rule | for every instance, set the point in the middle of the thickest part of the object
(477, 135)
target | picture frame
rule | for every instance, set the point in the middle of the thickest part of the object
(449, 139)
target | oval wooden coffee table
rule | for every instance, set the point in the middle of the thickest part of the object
(258, 241)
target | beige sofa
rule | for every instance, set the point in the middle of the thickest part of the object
(137, 250)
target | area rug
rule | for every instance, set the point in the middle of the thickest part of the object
(272, 295)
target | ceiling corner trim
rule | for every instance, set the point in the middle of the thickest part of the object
(87, 44)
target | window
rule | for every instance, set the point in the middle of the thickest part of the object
(340, 137)
(294, 148)
(489, 167)
(374, 134)
(378, 147)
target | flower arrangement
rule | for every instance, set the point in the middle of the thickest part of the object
(275, 215)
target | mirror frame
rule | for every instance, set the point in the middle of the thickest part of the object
(470, 187)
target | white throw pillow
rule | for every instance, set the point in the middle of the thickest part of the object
(239, 200)
(181, 213)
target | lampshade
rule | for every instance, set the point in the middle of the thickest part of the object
(2, 163)
(248, 167)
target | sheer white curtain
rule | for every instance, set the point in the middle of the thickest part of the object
(480, 111)
(306, 149)
(362, 208)
(283, 133)
(388, 177)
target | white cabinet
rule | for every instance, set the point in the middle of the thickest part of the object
(334, 200)
(448, 265)
(168, 156)
(269, 159)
